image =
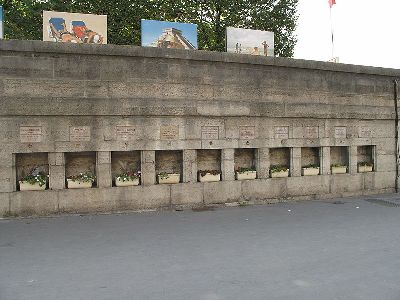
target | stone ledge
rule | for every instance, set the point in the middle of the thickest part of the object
(37, 47)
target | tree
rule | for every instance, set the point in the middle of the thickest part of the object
(23, 18)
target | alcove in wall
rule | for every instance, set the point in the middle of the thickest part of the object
(245, 158)
(279, 157)
(125, 161)
(310, 156)
(31, 164)
(365, 156)
(339, 156)
(80, 162)
(169, 162)
(209, 159)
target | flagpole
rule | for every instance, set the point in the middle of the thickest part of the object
(330, 16)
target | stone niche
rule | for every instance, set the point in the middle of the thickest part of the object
(26, 162)
(310, 156)
(339, 155)
(279, 157)
(209, 159)
(170, 162)
(245, 158)
(80, 162)
(124, 161)
(365, 154)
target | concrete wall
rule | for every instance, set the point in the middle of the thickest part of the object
(61, 100)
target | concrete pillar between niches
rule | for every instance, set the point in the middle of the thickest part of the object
(325, 160)
(189, 166)
(103, 169)
(353, 159)
(56, 171)
(7, 172)
(295, 162)
(262, 162)
(148, 167)
(228, 164)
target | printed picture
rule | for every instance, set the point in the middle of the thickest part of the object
(1, 23)
(74, 28)
(174, 35)
(248, 41)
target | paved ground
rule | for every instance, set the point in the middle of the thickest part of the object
(308, 250)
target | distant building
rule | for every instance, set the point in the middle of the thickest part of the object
(172, 38)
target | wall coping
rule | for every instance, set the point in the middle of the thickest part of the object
(197, 55)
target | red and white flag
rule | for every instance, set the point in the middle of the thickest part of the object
(331, 3)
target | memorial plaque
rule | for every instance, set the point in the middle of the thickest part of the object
(30, 134)
(169, 132)
(210, 132)
(281, 132)
(340, 132)
(247, 132)
(125, 133)
(364, 132)
(311, 132)
(79, 134)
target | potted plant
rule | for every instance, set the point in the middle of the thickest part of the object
(279, 171)
(338, 169)
(168, 178)
(81, 181)
(127, 177)
(310, 170)
(35, 181)
(246, 173)
(209, 175)
(365, 166)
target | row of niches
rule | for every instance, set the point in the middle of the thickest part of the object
(32, 169)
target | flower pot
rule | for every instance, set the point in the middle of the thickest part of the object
(280, 174)
(119, 182)
(246, 175)
(26, 186)
(171, 179)
(78, 184)
(364, 169)
(208, 177)
(310, 171)
(339, 170)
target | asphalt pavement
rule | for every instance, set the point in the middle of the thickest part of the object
(331, 249)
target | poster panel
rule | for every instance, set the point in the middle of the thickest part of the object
(248, 41)
(174, 35)
(74, 28)
(1, 23)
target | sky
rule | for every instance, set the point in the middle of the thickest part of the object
(366, 32)
(152, 30)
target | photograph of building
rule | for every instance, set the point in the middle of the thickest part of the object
(248, 41)
(173, 35)
(74, 28)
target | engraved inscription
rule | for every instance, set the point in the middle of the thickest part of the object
(169, 132)
(281, 132)
(340, 132)
(210, 132)
(247, 132)
(30, 134)
(79, 134)
(125, 133)
(311, 132)
(364, 132)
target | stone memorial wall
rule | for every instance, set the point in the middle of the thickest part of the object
(77, 108)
